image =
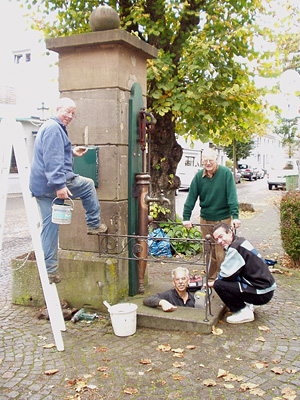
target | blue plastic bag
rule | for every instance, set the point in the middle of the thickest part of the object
(159, 247)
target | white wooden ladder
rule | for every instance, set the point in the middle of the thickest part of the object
(12, 137)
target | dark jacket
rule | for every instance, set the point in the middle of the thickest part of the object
(245, 265)
(171, 296)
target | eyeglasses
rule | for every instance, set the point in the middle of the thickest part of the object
(180, 279)
(208, 161)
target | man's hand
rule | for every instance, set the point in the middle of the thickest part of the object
(236, 223)
(63, 193)
(187, 224)
(166, 306)
(79, 151)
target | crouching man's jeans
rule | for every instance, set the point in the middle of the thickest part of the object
(81, 187)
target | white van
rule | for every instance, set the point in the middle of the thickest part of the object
(277, 174)
(188, 166)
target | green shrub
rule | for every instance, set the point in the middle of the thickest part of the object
(290, 225)
(186, 246)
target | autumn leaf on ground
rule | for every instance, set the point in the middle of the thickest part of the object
(209, 382)
(100, 349)
(261, 339)
(288, 393)
(247, 386)
(163, 347)
(177, 350)
(276, 361)
(48, 346)
(80, 385)
(216, 331)
(178, 377)
(222, 373)
(190, 347)
(277, 370)
(264, 328)
(228, 386)
(232, 377)
(260, 364)
(130, 390)
(103, 368)
(145, 361)
(51, 371)
(178, 355)
(238, 359)
(291, 370)
(257, 392)
(179, 364)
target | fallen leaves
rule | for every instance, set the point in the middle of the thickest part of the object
(178, 364)
(260, 364)
(264, 328)
(288, 393)
(277, 370)
(164, 347)
(209, 382)
(217, 331)
(101, 349)
(130, 390)
(51, 371)
(178, 377)
(145, 361)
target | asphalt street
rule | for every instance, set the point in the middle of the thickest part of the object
(254, 360)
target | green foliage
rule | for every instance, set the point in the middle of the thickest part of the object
(287, 130)
(188, 247)
(158, 212)
(243, 149)
(290, 225)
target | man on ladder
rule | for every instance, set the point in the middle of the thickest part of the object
(52, 176)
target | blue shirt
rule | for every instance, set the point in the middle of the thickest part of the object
(52, 163)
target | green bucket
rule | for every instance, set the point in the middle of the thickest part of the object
(291, 182)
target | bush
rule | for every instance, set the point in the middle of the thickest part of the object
(290, 225)
(186, 245)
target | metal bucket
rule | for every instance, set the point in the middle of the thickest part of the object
(62, 213)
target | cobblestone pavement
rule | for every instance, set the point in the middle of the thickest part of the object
(152, 364)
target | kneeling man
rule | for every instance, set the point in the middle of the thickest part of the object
(179, 296)
(244, 280)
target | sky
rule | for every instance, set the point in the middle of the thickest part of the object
(36, 82)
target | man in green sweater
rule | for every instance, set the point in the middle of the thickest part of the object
(215, 187)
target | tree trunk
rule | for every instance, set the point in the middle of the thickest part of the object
(165, 154)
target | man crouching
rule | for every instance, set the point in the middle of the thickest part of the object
(244, 280)
(179, 296)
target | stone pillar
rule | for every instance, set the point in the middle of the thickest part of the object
(97, 70)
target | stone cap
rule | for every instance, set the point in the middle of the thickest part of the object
(114, 36)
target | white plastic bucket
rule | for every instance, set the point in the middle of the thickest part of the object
(123, 318)
(62, 213)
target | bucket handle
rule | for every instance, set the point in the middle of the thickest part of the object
(69, 198)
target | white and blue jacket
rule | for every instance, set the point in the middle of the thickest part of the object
(243, 264)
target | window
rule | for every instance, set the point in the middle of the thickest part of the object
(189, 161)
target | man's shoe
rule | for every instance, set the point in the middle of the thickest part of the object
(242, 316)
(96, 231)
(54, 278)
(252, 307)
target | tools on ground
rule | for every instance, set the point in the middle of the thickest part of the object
(82, 315)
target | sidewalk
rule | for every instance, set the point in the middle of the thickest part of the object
(96, 364)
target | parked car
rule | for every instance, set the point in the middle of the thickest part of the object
(277, 175)
(247, 171)
(238, 176)
(259, 172)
